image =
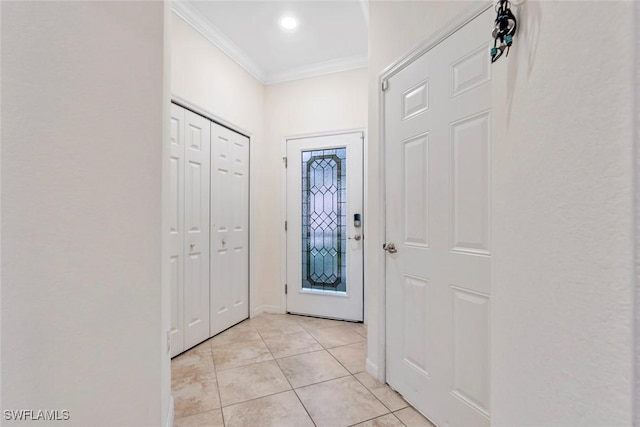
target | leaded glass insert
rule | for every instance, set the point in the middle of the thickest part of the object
(324, 197)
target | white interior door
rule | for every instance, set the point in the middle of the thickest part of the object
(324, 245)
(437, 139)
(176, 229)
(229, 228)
(196, 196)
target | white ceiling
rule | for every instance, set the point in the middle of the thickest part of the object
(331, 36)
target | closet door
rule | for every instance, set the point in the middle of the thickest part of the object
(176, 228)
(229, 228)
(196, 277)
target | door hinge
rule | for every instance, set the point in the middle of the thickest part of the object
(284, 160)
(385, 85)
(285, 226)
(285, 288)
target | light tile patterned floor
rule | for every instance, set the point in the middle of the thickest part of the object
(281, 371)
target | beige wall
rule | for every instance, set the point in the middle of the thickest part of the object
(561, 206)
(562, 194)
(206, 77)
(82, 120)
(165, 375)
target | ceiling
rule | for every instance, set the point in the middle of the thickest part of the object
(331, 36)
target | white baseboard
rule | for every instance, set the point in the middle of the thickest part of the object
(171, 414)
(372, 369)
(273, 309)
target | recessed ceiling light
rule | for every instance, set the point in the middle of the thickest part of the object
(288, 23)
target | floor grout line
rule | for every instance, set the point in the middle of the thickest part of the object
(256, 398)
(291, 385)
(353, 375)
(215, 372)
(305, 408)
(242, 366)
(347, 345)
(374, 395)
(308, 330)
(299, 354)
(325, 381)
(217, 383)
(379, 416)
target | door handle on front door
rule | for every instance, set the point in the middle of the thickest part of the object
(391, 248)
(356, 237)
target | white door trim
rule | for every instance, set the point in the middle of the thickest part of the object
(636, 221)
(378, 257)
(209, 115)
(283, 206)
(175, 99)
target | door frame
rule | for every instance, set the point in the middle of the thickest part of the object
(283, 207)
(175, 99)
(636, 221)
(379, 370)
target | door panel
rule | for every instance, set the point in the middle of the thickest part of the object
(229, 228)
(416, 333)
(196, 288)
(324, 247)
(415, 190)
(470, 373)
(176, 230)
(438, 283)
(469, 177)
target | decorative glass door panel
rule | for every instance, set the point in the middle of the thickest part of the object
(324, 233)
(324, 183)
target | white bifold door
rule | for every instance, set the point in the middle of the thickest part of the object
(189, 228)
(438, 262)
(208, 228)
(229, 228)
(324, 226)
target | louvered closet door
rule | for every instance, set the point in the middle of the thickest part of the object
(229, 228)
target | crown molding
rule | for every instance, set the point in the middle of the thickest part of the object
(194, 18)
(318, 69)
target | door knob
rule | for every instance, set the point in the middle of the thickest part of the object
(391, 248)
(356, 237)
(192, 245)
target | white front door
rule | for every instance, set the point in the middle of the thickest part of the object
(229, 228)
(437, 177)
(324, 226)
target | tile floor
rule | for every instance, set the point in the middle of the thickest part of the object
(284, 370)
